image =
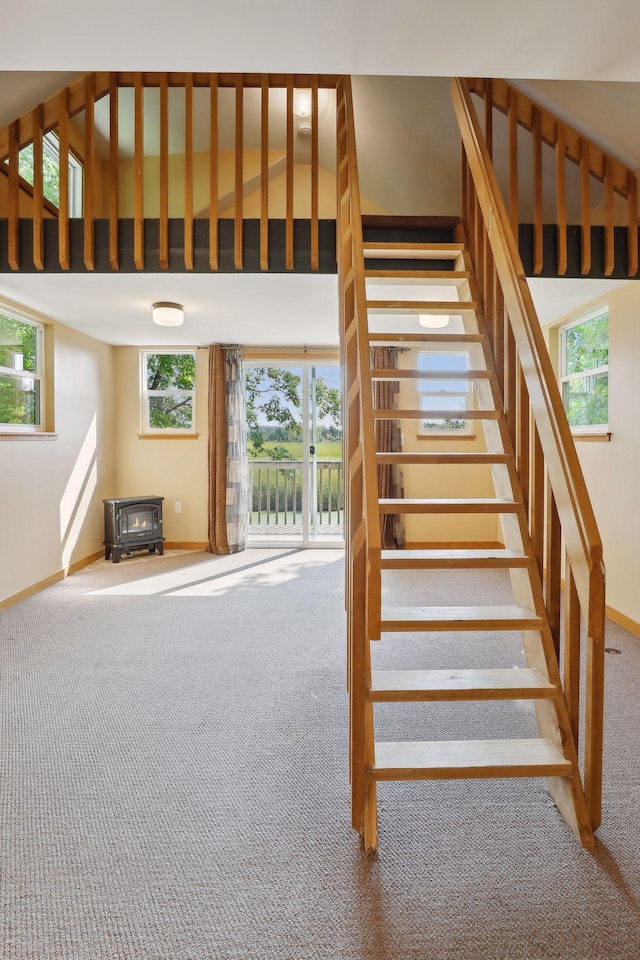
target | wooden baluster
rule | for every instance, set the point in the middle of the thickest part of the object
(537, 500)
(510, 383)
(609, 250)
(513, 161)
(585, 207)
(315, 255)
(561, 199)
(488, 116)
(264, 173)
(524, 437)
(138, 187)
(164, 172)
(538, 253)
(479, 245)
(571, 672)
(213, 173)
(489, 291)
(594, 711)
(464, 184)
(13, 232)
(114, 174)
(632, 224)
(89, 171)
(188, 171)
(38, 188)
(471, 224)
(63, 209)
(239, 188)
(554, 568)
(289, 204)
(499, 335)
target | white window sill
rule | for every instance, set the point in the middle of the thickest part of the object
(604, 436)
(27, 435)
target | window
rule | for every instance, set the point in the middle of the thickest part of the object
(450, 395)
(168, 391)
(51, 173)
(21, 366)
(584, 371)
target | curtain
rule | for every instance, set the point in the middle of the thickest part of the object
(388, 440)
(227, 451)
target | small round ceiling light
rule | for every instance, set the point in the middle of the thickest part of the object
(167, 314)
(433, 320)
(302, 103)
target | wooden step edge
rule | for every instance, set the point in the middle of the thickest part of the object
(404, 686)
(428, 307)
(434, 338)
(453, 559)
(380, 414)
(433, 505)
(461, 619)
(385, 250)
(443, 458)
(468, 760)
(418, 277)
(379, 374)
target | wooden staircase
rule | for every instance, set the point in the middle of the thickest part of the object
(369, 320)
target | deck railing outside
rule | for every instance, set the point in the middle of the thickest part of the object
(276, 492)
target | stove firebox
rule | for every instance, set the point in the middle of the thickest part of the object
(132, 523)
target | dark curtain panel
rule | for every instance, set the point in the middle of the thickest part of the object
(388, 440)
(227, 452)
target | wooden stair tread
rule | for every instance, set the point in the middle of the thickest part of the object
(433, 338)
(407, 685)
(382, 250)
(431, 374)
(380, 414)
(436, 278)
(456, 457)
(405, 619)
(464, 559)
(437, 505)
(468, 759)
(429, 307)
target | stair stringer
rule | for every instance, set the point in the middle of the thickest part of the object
(552, 715)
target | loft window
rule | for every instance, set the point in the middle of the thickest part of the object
(21, 374)
(449, 395)
(168, 391)
(51, 173)
(584, 371)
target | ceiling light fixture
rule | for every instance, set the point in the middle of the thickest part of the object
(167, 314)
(302, 103)
(431, 320)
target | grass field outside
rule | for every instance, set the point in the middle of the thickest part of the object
(325, 450)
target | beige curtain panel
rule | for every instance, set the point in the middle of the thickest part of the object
(227, 452)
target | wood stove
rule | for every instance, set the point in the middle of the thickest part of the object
(132, 523)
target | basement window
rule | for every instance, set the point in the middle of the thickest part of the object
(21, 374)
(445, 395)
(168, 391)
(584, 372)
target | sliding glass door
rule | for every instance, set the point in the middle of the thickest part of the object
(295, 454)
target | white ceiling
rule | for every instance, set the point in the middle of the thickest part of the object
(574, 39)
(256, 309)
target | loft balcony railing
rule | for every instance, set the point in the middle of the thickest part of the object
(173, 155)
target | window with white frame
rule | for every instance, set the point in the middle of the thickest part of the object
(584, 371)
(447, 395)
(51, 172)
(168, 381)
(21, 374)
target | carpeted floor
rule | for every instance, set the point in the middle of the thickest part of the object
(174, 782)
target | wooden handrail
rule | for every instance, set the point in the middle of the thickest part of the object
(550, 445)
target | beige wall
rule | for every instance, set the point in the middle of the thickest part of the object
(173, 469)
(51, 513)
(612, 470)
(444, 480)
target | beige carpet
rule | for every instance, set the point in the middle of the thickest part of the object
(174, 782)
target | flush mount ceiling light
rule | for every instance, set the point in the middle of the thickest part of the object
(302, 103)
(431, 320)
(167, 314)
